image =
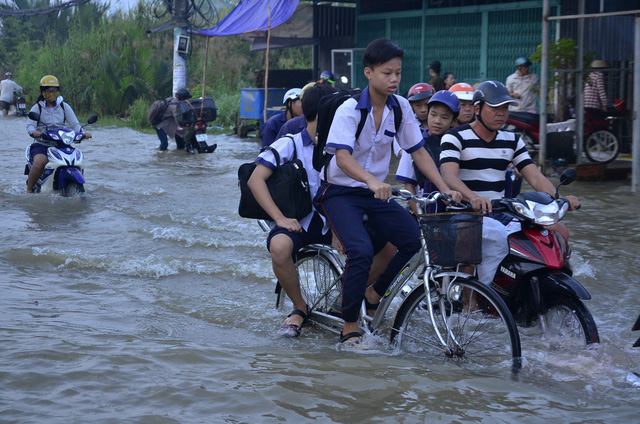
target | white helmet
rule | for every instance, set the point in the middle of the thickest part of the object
(463, 91)
(292, 94)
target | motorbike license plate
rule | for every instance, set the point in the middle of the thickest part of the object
(21, 106)
(201, 137)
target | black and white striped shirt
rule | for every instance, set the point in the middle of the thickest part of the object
(483, 164)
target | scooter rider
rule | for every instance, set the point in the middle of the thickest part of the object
(473, 161)
(53, 114)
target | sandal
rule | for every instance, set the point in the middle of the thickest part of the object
(293, 330)
(353, 335)
(370, 306)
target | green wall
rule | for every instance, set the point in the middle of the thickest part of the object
(476, 43)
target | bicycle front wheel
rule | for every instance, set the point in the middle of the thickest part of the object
(320, 283)
(476, 326)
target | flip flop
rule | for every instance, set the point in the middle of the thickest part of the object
(293, 330)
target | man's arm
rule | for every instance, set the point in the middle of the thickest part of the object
(258, 185)
(450, 172)
(539, 182)
(349, 166)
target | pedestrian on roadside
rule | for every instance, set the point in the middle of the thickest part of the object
(523, 86)
(595, 98)
(7, 87)
(436, 82)
(449, 80)
(169, 126)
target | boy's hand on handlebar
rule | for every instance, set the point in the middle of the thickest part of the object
(482, 204)
(380, 190)
(36, 134)
(289, 224)
(454, 195)
(87, 135)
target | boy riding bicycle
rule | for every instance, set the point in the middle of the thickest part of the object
(355, 181)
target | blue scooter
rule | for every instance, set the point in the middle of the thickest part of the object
(64, 173)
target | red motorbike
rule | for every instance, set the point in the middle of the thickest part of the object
(600, 143)
(535, 279)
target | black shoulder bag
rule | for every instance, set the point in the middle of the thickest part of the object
(288, 185)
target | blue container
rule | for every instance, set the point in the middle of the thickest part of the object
(252, 102)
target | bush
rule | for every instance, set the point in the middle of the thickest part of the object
(138, 114)
(228, 106)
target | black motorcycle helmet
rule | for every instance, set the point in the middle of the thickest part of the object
(493, 93)
(183, 94)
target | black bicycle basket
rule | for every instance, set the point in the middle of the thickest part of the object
(453, 238)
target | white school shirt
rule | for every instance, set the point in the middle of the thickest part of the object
(304, 152)
(371, 150)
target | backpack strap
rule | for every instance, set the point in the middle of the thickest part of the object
(364, 114)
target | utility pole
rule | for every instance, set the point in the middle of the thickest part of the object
(180, 44)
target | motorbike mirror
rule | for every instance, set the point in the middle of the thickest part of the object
(34, 116)
(92, 119)
(568, 176)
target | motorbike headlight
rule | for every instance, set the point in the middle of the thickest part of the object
(67, 136)
(524, 210)
(547, 214)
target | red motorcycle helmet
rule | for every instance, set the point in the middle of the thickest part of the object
(420, 91)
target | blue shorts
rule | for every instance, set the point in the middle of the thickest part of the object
(313, 235)
(38, 149)
(6, 105)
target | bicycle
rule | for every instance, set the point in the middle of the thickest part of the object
(461, 320)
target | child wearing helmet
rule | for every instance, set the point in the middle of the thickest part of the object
(53, 113)
(293, 108)
(418, 96)
(443, 108)
(464, 93)
(7, 87)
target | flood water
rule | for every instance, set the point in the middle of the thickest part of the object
(151, 301)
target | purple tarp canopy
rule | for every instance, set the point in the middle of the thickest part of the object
(252, 15)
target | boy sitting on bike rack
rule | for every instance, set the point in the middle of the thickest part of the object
(355, 181)
(288, 235)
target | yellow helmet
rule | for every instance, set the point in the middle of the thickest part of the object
(49, 81)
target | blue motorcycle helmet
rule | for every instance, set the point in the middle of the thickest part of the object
(448, 99)
(522, 61)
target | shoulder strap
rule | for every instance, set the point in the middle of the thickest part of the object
(397, 115)
(277, 155)
(64, 112)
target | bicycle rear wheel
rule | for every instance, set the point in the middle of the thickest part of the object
(483, 337)
(320, 283)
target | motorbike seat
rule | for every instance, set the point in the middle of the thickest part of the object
(524, 116)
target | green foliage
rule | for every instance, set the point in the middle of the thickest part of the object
(138, 114)
(228, 106)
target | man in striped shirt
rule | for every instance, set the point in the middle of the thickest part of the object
(474, 160)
